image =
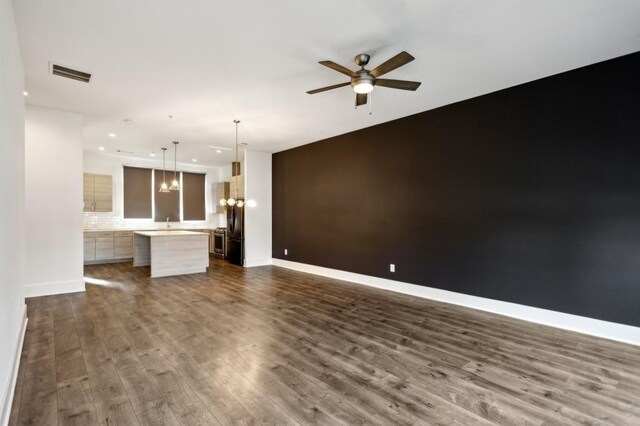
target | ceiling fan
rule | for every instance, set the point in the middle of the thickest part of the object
(363, 80)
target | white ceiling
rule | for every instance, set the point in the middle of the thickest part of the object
(208, 62)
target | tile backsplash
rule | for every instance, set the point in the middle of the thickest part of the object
(110, 220)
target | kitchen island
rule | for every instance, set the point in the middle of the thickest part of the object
(171, 252)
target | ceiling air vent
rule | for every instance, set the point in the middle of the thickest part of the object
(61, 71)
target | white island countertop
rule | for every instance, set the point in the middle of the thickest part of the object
(169, 233)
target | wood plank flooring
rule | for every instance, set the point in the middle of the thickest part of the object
(269, 345)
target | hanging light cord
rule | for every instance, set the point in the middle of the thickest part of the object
(164, 165)
(237, 163)
(175, 160)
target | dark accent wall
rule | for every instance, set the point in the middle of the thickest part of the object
(528, 195)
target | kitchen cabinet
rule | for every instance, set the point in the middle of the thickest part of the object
(97, 193)
(105, 246)
(123, 241)
(222, 191)
(89, 248)
(237, 182)
(113, 246)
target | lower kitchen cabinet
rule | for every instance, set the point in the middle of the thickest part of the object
(112, 246)
(104, 246)
(123, 245)
(89, 248)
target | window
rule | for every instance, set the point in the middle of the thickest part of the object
(193, 189)
(167, 204)
(142, 198)
(137, 193)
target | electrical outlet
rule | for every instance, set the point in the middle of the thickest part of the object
(286, 252)
(392, 267)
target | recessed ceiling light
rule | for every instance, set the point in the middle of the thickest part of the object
(112, 135)
(219, 151)
(25, 93)
(101, 148)
(153, 154)
(194, 160)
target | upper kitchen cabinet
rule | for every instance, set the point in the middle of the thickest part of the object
(98, 193)
(236, 186)
(222, 192)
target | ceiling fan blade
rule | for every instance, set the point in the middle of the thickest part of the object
(324, 89)
(398, 84)
(339, 68)
(397, 61)
(361, 99)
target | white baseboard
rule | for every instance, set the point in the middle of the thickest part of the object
(10, 387)
(608, 330)
(58, 287)
(249, 263)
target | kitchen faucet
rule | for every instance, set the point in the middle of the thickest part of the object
(168, 226)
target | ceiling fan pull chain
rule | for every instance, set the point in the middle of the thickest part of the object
(370, 102)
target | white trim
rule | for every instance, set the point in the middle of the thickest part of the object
(249, 263)
(58, 287)
(608, 330)
(8, 391)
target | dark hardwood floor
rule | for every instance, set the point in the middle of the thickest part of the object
(269, 345)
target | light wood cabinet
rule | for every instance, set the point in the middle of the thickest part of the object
(222, 191)
(103, 193)
(97, 193)
(236, 182)
(87, 191)
(105, 246)
(101, 246)
(89, 248)
(123, 245)
(113, 246)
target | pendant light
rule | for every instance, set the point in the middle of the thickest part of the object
(175, 185)
(235, 172)
(164, 187)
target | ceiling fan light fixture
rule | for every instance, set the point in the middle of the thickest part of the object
(362, 86)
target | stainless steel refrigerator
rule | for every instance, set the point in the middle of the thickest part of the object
(235, 235)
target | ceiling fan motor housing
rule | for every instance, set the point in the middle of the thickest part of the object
(362, 60)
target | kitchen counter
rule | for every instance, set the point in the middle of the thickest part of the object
(171, 252)
(167, 233)
(147, 229)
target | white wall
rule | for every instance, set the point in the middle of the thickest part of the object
(12, 209)
(257, 230)
(104, 163)
(53, 181)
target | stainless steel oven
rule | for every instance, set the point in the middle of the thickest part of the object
(219, 243)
